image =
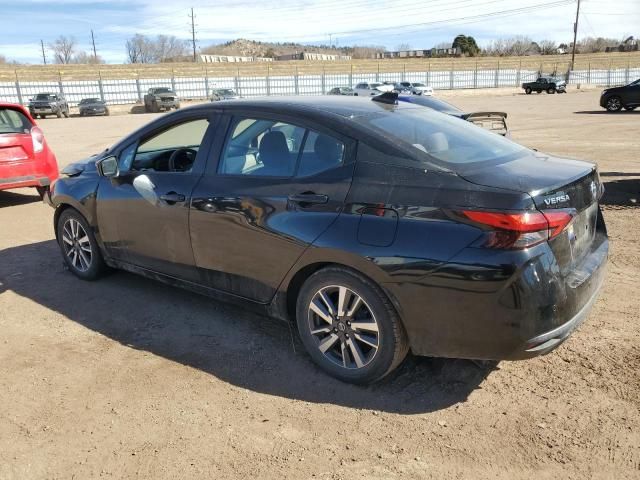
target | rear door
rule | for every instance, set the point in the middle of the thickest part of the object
(277, 185)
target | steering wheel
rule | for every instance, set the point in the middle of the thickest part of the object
(189, 154)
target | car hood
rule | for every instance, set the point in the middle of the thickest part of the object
(166, 95)
(87, 165)
(531, 173)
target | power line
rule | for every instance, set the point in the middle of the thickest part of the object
(193, 33)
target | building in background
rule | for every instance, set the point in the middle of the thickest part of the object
(232, 59)
(629, 45)
(312, 56)
(432, 52)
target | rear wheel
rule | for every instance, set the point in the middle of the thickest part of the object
(349, 327)
(78, 246)
(614, 104)
(527, 90)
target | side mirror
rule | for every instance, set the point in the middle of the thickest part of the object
(108, 167)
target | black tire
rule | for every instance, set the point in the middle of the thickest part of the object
(66, 113)
(355, 94)
(630, 108)
(106, 112)
(527, 90)
(155, 108)
(146, 108)
(538, 91)
(614, 104)
(94, 267)
(41, 191)
(551, 90)
(391, 344)
(59, 114)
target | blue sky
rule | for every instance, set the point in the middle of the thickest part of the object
(420, 24)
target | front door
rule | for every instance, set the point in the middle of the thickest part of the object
(144, 212)
(277, 186)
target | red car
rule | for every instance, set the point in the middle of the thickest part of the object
(25, 158)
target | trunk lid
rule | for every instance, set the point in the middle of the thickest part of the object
(15, 147)
(553, 183)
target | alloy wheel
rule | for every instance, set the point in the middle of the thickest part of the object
(614, 104)
(77, 246)
(344, 327)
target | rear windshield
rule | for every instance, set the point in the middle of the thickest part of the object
(45, 97)
(452, 142)
(435, 103)
(13, 121)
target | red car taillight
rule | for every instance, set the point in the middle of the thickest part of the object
(37, 137)
(520, 230)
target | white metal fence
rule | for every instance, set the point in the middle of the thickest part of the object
(133, 90)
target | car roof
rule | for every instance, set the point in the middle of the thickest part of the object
(329, 105)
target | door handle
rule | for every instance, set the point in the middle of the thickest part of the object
(308, 198)
(172, 197)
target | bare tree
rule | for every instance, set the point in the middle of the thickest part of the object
(86, 58)
(167, 48)
(63, 49)
(548, 47)
(139, 49)
(516, 46)
(595, 45)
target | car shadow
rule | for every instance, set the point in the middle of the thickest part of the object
(11, 199)
(621, 193)
(605, 112)
(244, 349)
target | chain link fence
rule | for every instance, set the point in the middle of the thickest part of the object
(129, 91)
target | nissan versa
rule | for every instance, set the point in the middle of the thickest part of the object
(377, 227)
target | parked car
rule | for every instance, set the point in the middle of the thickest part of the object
(402, 87)
(546, 84)
(366, 89)
(495, 122)
(25, 158)
(92, 106)
(377, 228)
(341, 91)
(44, 104)
(223, 94)
(160, 98)
(616, 98)
(417, 88)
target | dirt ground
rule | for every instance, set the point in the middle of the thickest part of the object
(128, 378)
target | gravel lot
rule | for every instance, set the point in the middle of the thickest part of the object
(128, 378)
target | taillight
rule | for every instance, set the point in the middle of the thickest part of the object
(37, 137)
(520, 230)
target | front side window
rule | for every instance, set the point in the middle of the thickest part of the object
(172, 150)
(261, 147)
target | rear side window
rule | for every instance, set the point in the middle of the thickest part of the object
(261, 147)
(13, 121)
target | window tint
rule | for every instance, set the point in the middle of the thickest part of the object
(13, 121)
(262, 147)
(450, 140)
(321, 152)
(172, 150)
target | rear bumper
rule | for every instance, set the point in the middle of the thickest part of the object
(499, 305)
(24, 181)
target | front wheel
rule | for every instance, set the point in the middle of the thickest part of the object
(59, 114)
(78, 246)
(551, 90)
(349, 327)
(614, 104)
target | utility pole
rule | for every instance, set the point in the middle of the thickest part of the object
(93, 42)
(575, 36)
(193, 33)
(44, 55)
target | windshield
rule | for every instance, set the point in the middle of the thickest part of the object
(452, 141)
(430, 102)
(45, 96)
(418, 84)
(225, 92)
(89, 100)
(637, 82)
(163, 90)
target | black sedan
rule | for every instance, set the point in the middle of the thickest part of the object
(377, 228)
(616, 98)
(92, 106)
(495, 122)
